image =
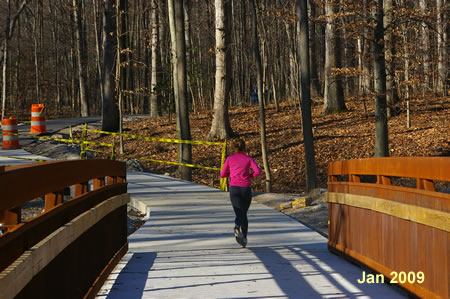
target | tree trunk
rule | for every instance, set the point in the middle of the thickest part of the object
(441, 49)
(291, 83)
(303, 45)
(110, 110)
(261, 97)
(154, 76)
(5, 59)
(407, 83)
(381, 126)
(80, 54)
(120, 79)
(180, 84)
(36, 53)
(334, 93)
(316, 90)
(97, 48)
(187, 6)
(173, 59)
(220, 127)
(425, 48)
(391, 90)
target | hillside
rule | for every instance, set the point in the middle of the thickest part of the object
(346, 135)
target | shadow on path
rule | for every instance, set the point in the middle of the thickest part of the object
(135, 273)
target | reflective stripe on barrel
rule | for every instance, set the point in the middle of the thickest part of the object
(10, 133)
(38, 119)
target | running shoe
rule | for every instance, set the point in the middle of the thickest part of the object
(239, 237)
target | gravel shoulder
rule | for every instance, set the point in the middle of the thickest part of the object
(314, 214)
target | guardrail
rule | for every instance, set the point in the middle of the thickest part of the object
(70, 248)
(400, 232)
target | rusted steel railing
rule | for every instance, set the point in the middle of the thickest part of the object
(401, 232)
(70, 248)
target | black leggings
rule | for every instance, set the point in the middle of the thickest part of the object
(241, 198)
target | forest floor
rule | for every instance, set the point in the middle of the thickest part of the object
(347, 135)
(339, 136)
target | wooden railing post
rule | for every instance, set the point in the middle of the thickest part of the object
(354, 178)
(332, 178)
(11, 217)
(53, 199)
(81, 188)
(98, 183)
(384, 180)
(111, 180)
(425, 184)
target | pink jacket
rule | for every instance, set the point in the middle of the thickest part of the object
(237, 167)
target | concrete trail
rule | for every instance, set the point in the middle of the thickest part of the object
(13, 157)
(186, 249)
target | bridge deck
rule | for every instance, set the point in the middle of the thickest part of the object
(187, 249)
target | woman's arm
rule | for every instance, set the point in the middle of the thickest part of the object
(225, 170)
(256, 170)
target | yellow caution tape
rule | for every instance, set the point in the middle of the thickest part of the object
(62, 140)
(223, 181)
(157, 139)
(173, 163)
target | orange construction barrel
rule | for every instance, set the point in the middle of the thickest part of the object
(38, 119)
(10, 133)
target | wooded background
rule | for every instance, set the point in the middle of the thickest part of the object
(49, 36)
(65, 53)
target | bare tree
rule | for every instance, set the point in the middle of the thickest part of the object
(303, 45)
(81, 56)
(259, 81)
(9, 30)
(154, 76)
(391, 90)
(381, 127)
(220, 127)
(334, 92)
(97, 47)
(176, 17)
(110, 111)
(425, 48)
(316, 89)
(442, 47)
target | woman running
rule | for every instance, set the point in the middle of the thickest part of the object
(237, 167)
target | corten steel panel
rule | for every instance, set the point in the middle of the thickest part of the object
(387, 243)
(425, 253)
(432, 168)
(40, 179)
(440, 252)
(27, 234)
(427, 199)
(378, 245)
(430, 254)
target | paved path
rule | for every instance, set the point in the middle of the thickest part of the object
(187, 250)
(18, 156)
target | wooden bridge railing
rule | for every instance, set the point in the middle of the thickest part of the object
(70, 248)
(400, 232)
